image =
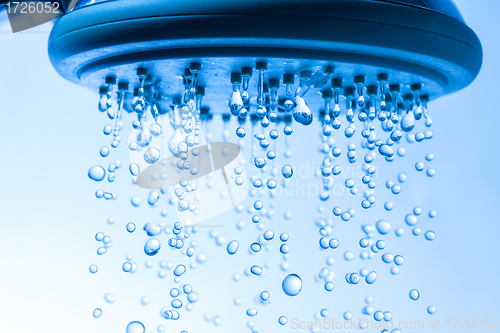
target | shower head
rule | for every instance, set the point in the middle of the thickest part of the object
(422, 47)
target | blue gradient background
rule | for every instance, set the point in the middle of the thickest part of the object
(51, 135)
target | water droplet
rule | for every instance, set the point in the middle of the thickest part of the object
(387, 258)
(287, 171)
(135, 201)
(264, 296)
(383, 227)
(97, 313)
(301, 112)
(152, 155)
(271, 184)
(268, 235)
(398, 260)
(152, 246)
(430, 235)
(255, 247)
(240, 132)
(135, 327)
(235, 102)
(97, 173)
(347, 315)
(431, 310)
(153, 197)
(259, 162)
(395, 189)
(333, 243)
(371, 277)
(408, 122)
(251, 312)
(232, 247)
(292, 285)
(130, 227)
(329, 286)
(282, 320)
(155, 129)
(109, 298)
(93, 269)
(287, 130)
(256, 270)
(127, 267)
(386, 150)
(107, 130)
(414, 294)
(179, 270)
(239, 180)
(378, 315)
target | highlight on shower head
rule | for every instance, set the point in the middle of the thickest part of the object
(269, 53)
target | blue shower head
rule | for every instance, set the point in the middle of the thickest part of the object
(421, 46)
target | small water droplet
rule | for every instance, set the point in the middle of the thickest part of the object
(414, 294)
(97, 313)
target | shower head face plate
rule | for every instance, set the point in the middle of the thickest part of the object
(357, 37)
(216, 74)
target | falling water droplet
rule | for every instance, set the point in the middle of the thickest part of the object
(155, 129)
(232, 247)
(179, 270)
(152, 246)
(235, 102)
(240, 132)
(97, 173)
(301, 113)
(152, 155)
(97, 313)
(414, 294)
(292, 285)
(135, 327)
(134, 169)
(408, 122)
(287, 171)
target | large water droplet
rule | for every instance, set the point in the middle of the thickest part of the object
(97, 173)
(292, 285)
(383, 227)
(235, 102)
(152, 155)
(408, 122)
(135, 327)
(152, 246)
(301, 112)
(155, 129)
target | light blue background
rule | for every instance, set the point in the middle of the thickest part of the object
(51, 135)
